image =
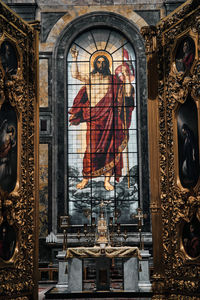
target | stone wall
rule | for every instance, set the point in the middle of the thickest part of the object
(150, 10)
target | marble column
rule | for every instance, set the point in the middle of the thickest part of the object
(131, 274)
(144, 276)
(62, 270)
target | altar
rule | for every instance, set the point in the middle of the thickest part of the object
(130, 256)
(104, 250)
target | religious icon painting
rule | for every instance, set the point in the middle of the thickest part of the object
(8, 147)
(8, 57)
(188, 148)
(191, 238)
(185, 54)
(7, 241)
(102, 118)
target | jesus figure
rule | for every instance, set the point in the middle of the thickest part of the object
(105, 103)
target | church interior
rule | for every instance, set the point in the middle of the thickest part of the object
(99, 149)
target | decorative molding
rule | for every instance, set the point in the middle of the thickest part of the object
(83, 12)
(179, 205)
(18, 207)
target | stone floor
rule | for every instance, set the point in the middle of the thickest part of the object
(43, 288)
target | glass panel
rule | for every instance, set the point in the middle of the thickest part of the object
(127, 208)
(83, 71)
(75, 161)
(129, 67)
(79, 99)
(83, 54)
(101, 38)
(124, 53)
(115, 42)
(132, 145)
(109, 208)
(80, 212)
(86, 42)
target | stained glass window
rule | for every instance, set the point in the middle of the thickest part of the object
(102, 126)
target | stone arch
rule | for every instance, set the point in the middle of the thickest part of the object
(126, 12)
(61, 47)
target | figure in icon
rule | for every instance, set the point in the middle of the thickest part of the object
(8, 144)
(7, 241)
(105, 103)
(185, 55)
(8, 58)
(191, 239)
(190, 166)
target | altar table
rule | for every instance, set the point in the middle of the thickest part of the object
(130, 255)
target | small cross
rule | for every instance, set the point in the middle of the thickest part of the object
(140, 216)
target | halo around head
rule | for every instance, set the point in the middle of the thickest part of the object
(100, 53)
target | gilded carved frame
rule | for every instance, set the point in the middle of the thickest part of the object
(19, 206)
(172, 204)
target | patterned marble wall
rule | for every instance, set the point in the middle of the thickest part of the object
(43, 88)
(43, 192)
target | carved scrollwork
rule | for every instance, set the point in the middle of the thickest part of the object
(154, 207)
(179, 206)
(178, 85)
(17, 204)
(16, 91)
(196, 82)
(149, 34)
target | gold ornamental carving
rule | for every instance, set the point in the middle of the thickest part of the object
(18, 209)
(149, 33)
(178, 66)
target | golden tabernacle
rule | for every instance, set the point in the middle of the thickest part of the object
(102, 235)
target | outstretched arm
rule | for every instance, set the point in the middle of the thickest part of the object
(74, 69)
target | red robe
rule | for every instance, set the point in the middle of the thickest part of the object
(188, 60)
(106, 137)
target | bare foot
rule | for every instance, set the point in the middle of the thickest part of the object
(108, 186)
(82, 184)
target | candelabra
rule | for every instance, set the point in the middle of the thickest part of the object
(78, 235)
(64, 224)
(125, 235)
(140, 216)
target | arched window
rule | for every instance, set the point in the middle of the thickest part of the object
(102, 137)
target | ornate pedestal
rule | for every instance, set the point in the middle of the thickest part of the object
(144, 276)
(63, 270)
